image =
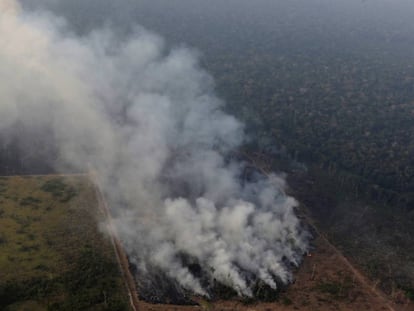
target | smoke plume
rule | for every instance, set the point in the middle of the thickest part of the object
(147, 120)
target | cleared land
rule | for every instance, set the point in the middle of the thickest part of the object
(52, 253)
(325, 281)
(54, 257)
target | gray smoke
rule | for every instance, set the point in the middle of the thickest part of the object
(146, 118)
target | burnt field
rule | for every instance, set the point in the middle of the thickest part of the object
(325, 281)
(50, 237)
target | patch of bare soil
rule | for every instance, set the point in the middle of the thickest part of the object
(325, 281)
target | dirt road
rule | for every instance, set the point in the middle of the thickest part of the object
(117, 245)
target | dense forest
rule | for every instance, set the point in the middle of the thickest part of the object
(326, 91)
(329, 83)
(330, 94)
(326, 84)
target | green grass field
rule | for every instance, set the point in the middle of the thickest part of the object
(52, 254)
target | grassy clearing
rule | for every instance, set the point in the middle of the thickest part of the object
(52, 255)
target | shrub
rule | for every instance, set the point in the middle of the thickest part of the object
(3, 239)
(59, 189)
(30, 201)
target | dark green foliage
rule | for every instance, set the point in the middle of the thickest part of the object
(30, 201)
(117, 305)
(409, 292)
(28, 248)
(56, 260)
(287, 301)
(374, 268)
(59, 190)
(12, 292)
(91, 282)
(41, 267)
(332, 288)
(55, 186)
(3, 187)
(90, 269)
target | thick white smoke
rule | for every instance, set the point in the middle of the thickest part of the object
(148, 121)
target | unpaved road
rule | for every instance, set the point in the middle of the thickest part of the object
(117, 245)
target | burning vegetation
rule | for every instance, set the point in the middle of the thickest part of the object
(147, 119)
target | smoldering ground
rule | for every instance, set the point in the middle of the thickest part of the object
(146, 118)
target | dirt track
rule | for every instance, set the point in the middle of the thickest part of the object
(358, 275)
(116, 243)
